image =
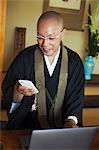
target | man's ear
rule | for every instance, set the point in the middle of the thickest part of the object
(63, 33)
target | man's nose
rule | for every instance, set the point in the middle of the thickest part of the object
(45, 41)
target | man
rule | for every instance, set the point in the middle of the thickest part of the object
(56, 71)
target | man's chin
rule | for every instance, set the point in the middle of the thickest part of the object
(47, 52)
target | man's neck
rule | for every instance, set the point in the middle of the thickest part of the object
(51, 58)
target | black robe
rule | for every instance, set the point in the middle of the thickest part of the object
(23, 68)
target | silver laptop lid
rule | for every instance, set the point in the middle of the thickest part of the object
(70, 138)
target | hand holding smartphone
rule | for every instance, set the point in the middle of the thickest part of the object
(29, 84)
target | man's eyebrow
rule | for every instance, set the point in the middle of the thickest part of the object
(46, 35)
(49, 35)
(52, 34)
(39, 33)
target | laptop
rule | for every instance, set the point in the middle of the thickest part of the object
(61, 139)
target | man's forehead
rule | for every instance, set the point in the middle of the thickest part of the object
(49, 32)
(49, 28)
(49, 23)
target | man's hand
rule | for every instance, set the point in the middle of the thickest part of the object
(70, 123)
(20, 91)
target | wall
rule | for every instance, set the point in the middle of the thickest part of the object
(20, 14)
(25, 15)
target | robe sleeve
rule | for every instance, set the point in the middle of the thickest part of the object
(18, 70)
(74, 96)
(11, 77)
(21, 68)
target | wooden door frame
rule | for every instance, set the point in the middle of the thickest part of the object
(3, 4)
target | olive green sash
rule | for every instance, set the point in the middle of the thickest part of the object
(40, 83)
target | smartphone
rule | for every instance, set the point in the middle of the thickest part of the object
(29, 84)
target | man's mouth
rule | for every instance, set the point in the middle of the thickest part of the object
(46, 50)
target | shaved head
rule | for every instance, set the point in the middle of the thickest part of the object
(49, 15)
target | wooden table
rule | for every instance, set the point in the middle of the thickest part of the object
(10, 139)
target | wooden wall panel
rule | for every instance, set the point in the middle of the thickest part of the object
(2, 35)
(90, 116)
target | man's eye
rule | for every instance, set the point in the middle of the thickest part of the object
(52, 38)
(39, 38)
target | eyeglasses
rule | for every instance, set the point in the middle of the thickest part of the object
(48, 37)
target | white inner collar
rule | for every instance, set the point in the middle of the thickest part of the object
(51, 67)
